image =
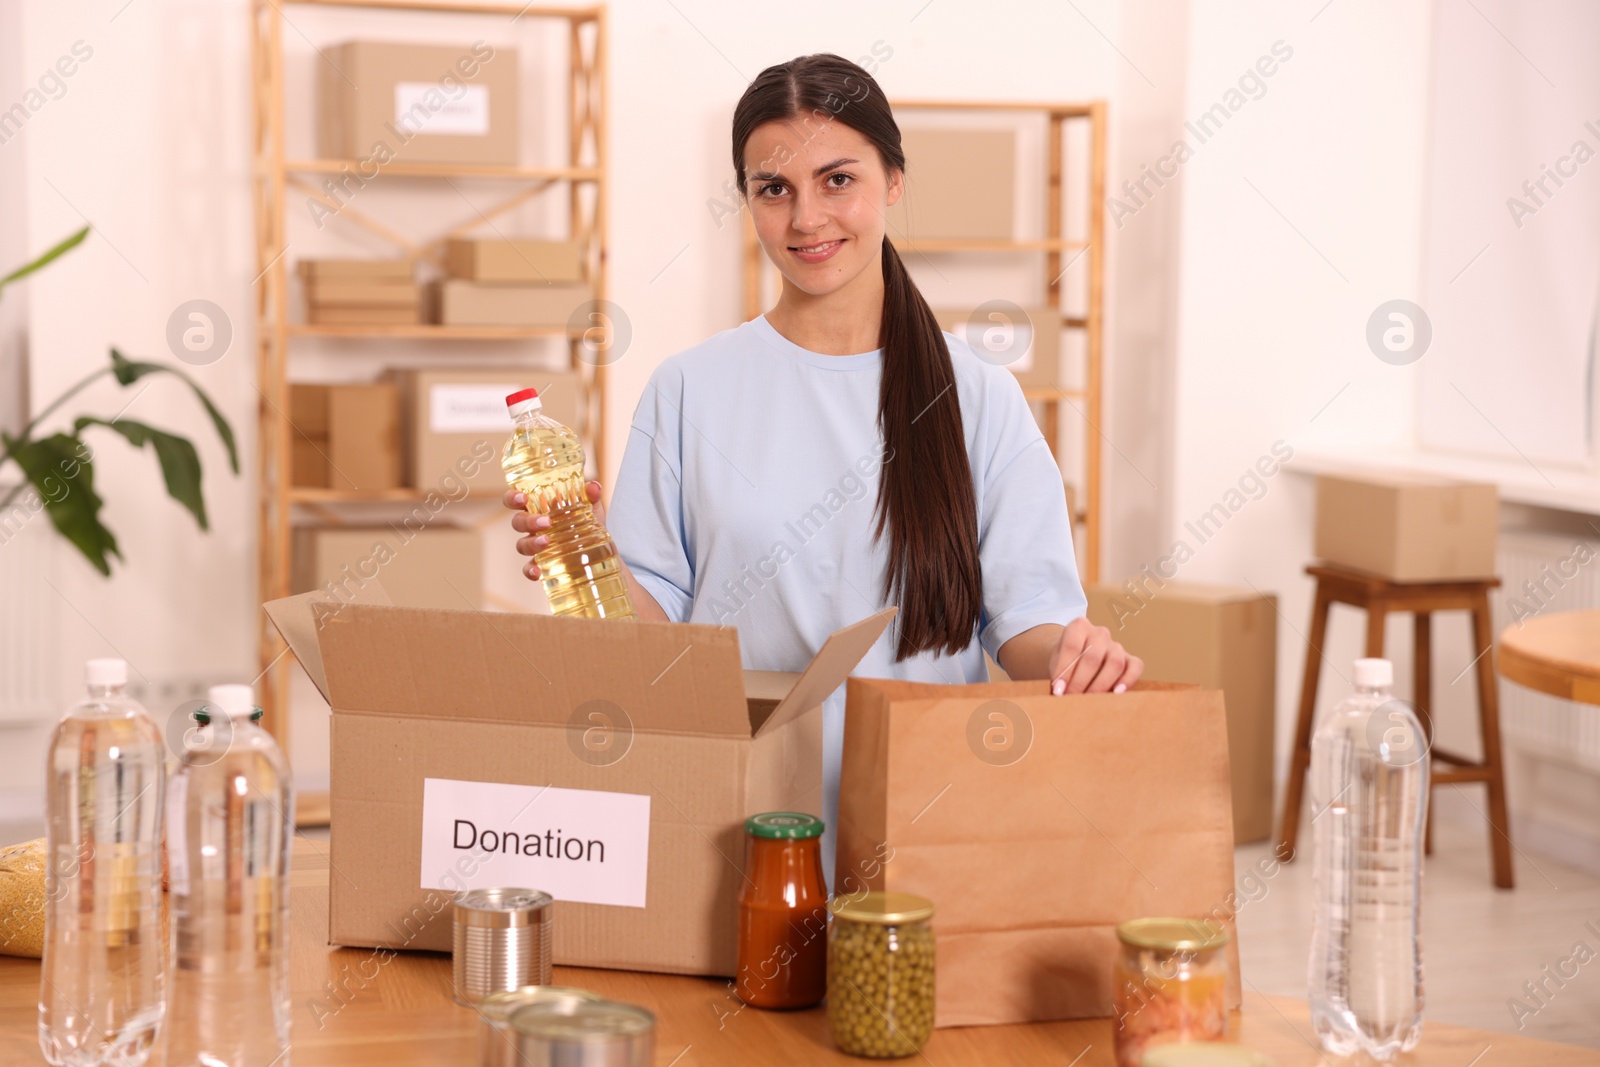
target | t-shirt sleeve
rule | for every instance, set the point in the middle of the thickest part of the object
(1030, 574)
(646, 513)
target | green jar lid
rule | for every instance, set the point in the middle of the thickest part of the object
(783, 824)
(1203, 1054)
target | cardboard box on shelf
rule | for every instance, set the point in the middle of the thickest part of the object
(419, 562)
(462, 743)
(1219, 637)
(463, 303)
(1036, 824)
(381, 102)
(1407, 527)
(454, 422)
(960, 184)
(345, 436)
(517, 260)
(353, 293)
(373, 271)
(1030, 349)
(320, 315)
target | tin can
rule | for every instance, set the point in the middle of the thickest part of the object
(585, 1033)
(497, 1043)
(502, 941)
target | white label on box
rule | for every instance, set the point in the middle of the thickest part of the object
(471, 408)
(425, 107)
(582, 845)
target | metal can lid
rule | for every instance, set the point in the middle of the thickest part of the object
(1173, 935)
(501, 906)
(886, 908)
(792, 825)
(1203, 1054)
(582, 1021)
(498, 1007)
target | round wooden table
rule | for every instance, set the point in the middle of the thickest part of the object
(1557, 654)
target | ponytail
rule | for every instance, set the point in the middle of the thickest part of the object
(925, 493)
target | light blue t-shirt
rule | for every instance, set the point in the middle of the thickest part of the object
(746, 498)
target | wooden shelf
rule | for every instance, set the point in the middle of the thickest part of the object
(1069, 111)
(573, 14)
(305, 494)
(448, 170)
(429, 332)
(1047, 392)
(979, 244)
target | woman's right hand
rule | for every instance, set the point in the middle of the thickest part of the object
(536, 527)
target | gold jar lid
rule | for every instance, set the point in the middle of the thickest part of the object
(885, 908)
(1173, 935)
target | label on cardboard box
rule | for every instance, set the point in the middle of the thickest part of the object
(423, 107)
(470, 407)
(581, 845)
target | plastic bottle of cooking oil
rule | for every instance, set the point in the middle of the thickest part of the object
(581, 570)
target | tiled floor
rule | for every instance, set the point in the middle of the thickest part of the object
(1480, 944)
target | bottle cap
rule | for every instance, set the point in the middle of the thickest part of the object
(106, 672)
(1374, 674)
(523, 401)
(234, 701)
(789, 825)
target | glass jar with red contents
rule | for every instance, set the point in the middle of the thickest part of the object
(783, 913)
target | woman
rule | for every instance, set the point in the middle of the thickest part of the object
(742, 495)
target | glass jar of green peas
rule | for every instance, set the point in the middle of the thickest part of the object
(880, 974)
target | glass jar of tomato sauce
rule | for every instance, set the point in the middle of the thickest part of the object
(783, 913)
(1171, 985)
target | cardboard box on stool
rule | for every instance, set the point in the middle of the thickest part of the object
(644, 741)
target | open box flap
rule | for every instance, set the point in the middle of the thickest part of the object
(828, 669)
(295, 620)
(508, 667)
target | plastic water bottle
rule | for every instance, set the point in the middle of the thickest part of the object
(581, 571)
(230, 821)
(100, 994)
(1369, 795)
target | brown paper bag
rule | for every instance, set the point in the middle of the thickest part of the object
(1036, 824)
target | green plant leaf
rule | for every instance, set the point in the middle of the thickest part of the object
(129, 371)
(59, 250)
(64, 480)
(180, 463)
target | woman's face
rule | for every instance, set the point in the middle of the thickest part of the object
(817, 193)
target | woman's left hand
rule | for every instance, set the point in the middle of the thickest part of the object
(1088, 661)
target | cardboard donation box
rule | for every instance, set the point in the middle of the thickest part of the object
(513, 261)
(1219, 637)
(418, 566)
(611, 764)
(380, 103)
(360, 292)
(1036, 824)
(346, 437)
(1407, 527)
(454, 422)
(960, 184)
(1030, 348)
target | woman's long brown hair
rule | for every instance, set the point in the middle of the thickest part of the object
(925, 493)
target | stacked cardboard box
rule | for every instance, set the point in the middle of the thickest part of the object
(1220, 637)
(511, 283)
(454, 422)
(345, 436)
(360, 292)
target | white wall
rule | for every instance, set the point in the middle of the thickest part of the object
(151, 142)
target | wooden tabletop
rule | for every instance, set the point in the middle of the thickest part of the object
(363, 1008)
(1557, 654)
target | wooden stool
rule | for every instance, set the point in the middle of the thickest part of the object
(1378, 597)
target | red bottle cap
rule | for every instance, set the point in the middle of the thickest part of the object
(520, 395)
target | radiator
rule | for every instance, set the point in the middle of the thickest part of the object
(27, 616)
(1542, 573)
